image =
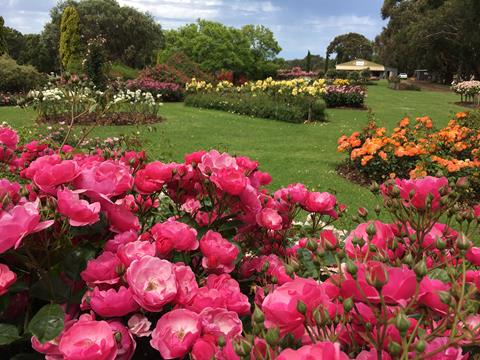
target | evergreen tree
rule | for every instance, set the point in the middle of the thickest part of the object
(70, 39)
(3, 43)
(308, 60)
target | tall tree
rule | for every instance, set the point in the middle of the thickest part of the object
(69, 39)
(348, 47)
(3, 42)
(308, 61)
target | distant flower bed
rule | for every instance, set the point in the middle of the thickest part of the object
(295, 72)
(8, 99)
(166, 91)
(468, 90)
(345, 96)
(416, 149)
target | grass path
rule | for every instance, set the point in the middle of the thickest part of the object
(289, 152)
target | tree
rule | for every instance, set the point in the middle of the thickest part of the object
(308, 62)
(349, 47)
(438, 35)
(95, 62)
(69, 38)
(317, 62)
(3, 42)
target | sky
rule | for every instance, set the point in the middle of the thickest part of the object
(298, 25)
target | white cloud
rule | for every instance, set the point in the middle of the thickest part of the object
(345, 23)
(178, 9)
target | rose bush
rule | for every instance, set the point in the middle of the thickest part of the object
(104, 255)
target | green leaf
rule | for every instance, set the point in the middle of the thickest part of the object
(439, 274)
(76, 261)
(51, 288)
(8, 334)
(47, 323)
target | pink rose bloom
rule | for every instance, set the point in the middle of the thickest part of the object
(135, 250)
(110, 178)
(372, 355)
(381, 240)
(191, 206)
(428, 294)
(450, 353)
(152, 282)
(175, 333)
(213, 161)
(205, 348)
(79, 212)
(120, 218)
(321, 350)
(359, 288)
(125, 344)
(259, 179)
(231, 181)
(10, 189)
(322, 203)
(48, 177)
(103, 270)
(421, 189)
(7, 278)
(269, 219)
(401, 285)
(473, 255)
(112, 303)
(153, 177)
(195, 157)
(139, 325)
(187, 286)
(8, 137)
(275, 268)
(40, 164)
(205, 298)
(120, 239)
(19, 222)
(220, 322)
(294, 193)
(219, 254)
(88, 340)
(476, 211)
(174, 235)
(229, 288)
(280, 306)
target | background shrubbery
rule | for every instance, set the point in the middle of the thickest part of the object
(18, 78)
(262, 106)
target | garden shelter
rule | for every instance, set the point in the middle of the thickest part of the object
(377, 70)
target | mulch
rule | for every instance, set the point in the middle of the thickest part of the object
(349, 172)
(118, 118)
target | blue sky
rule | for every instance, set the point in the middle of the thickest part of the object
(299, 25)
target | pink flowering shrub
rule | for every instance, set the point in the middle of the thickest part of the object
(106, 255)
(167, 91)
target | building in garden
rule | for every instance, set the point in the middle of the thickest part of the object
(377, 70)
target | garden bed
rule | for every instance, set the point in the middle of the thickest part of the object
(117, 118)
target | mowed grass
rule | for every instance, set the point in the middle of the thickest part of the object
(289, 152)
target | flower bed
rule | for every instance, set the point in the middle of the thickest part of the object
(416, 149)
(7, 99)
(345, 96)
(106, 255)
(166, 91)
(468, 90)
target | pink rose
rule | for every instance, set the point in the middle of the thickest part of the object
(401, 285)
(269, 219)
(322, 203)
(103, 270)
(205, 348)
(10, 190)
(88, 340)
(125, 344)
(220, 322)
(175, 333)
(473, 255)
(205, 298)
(135, 250)
(112, 303)
(213, 161)
(8, 137)
(152, 282)
(120, 218)
(19, 222)
(231, 181)
(174, 235)
(139, 325)
(123, 238)
(79, 212)
(7, 278)
(294, 193)
(415, 192)
(48, 177)
(449, 353)
(229, 288)
(153, 177)
(41, 163)
(280, 306)
(187, 286)
(381, 240)
(321, 350)
(110, 178)
(476, 211)
(428, 294)
(219, 254)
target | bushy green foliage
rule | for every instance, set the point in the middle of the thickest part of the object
(348, 47)
(122, 71)
(164, 73)
(70, 39)
(3, 43)
(95, 62)
(17, 78)
(261, 105)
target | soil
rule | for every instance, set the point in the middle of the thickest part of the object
(426, 85)
(468, 105)
(349, 172)
(118, 118)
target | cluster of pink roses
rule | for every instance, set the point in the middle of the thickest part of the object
(198, 259)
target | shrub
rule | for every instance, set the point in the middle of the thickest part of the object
(18, 78)
(8, 99)
(166, 91)
(345, 96)
(416, 149)
(107, 255)
(164, 73)
(187, 66)
(261, 105)
(295, 72)
(95, 63)
(122, 71)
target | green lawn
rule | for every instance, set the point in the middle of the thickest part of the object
(289, 152)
